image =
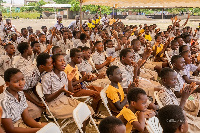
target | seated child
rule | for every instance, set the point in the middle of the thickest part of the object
(183, 48)
(25, 59)
(6, 61)
(78, 86)
(174, 49)
(134, 115)
(111, 124)
(44, 47)
(15, 117)
(111, 50)
(55, 84)
(115, 93)
(36, 49)
(65, 43)
(173, 119)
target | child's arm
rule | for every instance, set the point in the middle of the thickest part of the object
(107, 62)
(118, 46)
(140, 124)
(189, 81)
(186, 20)
(164, 48)
(119, 105)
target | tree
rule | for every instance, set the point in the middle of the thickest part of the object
(62, 1)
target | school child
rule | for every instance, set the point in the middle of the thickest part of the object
(183, 48)
(167, 97)
(77, 83)
(8, 27)
(15, 116)
(172, 119)
(44, 30)
(111, 50)
(36, 49)
(99, 57)
(95, 36)
(115, 93)
(83, 41)
(147, 36)
(24, 36)
(25, 59)
(54, 37)
(55, 84)
(134, 115)
(59, 24)
(187, 39)
(76, 38)
(32, 75)
(42, 40)
(14, 40)
(65, 43)
(174, 50)
(111, 124)
(6, 61)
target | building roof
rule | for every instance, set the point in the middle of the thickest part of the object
(56, 6)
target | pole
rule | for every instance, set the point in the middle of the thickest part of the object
(81, 13)
(114, 11)
(162, 13)
(11, 9)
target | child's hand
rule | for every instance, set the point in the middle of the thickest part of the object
(101, 76)
(68, 93)
(186, 91)
(71, 75)
(149, 113)
(108, 59)
(49, 47)
(41, 105)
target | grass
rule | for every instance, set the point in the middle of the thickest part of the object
(30, 15)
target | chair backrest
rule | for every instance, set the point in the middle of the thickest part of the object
(82, 113)
(39, 90)
(104, 99)
(49, 128)
(157, 99)
(168, 59)
(93, 65)
(153, 125)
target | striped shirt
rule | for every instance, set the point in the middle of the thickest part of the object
(98, 58)
(5, 63)
(22, 62)
(85, 66)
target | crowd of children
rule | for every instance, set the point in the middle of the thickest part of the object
(80, 60)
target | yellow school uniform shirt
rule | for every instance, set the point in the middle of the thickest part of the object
(68, 69)
(91, 25)
(142, 31)
(148, 37)
(159, 49)
(113, 92)
(129, 116)
(97, 21)
(111, 21)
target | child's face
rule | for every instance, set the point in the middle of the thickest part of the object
(78, 58)
(179, 64)
(174, 46)
(110, 44)
(137, 46)
(186, 48)
(36, 48)
(188, 58)
(128, 60)
(188, 39)
(147, 32)
(44, 30)
(87, 54)
(17, 82)
(48, 66)
(42, 38)
(25, 32)
(57, 51)
(124, 40)
(10, 50)
(99, 47)
(170, 80)
(159, 38)
(60, 63)
(142, 40)
(65, 35)
(180, 41)
(141, 104)
(78, 35)
(117, 76)
(95, 30)
(70, 35)
(14, 37)
(167, 34)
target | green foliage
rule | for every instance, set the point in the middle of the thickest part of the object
(62, 1)
(36, 7)
(30, 15)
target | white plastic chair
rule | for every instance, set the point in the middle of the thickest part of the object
(153, 125)
(93, 65)
(104, 99)
(49, 128)
(15, 60)
(157, 99)
(41, 95)
(82, 113)
(168, 59)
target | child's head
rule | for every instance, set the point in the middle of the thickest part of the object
(173, 119)
(13, 36)
(44, 29)
(114, 74)
(187, 56)
(168, 77)
(166, 34)
(124, 39)
(30, 29)
(109, 44)
(86, 53)
(65, 34)
(76, 55)
(99, 46)
(112, 124)
(83, 36)
(14, 79)
(96, 30)
(137, 98)
(141, 39)
(10, 49)
(136, 45)
(56, 50)
(24, 32)
(59, 62)
(24, 48)
(76, 34)
(42, 37)
(126, 56)
(158, 38)
(44, 62)
(174, 45)
(178, 62)
(183, 48)
(187, 38)
(59, 18)
(35, 47)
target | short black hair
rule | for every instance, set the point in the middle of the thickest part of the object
(8, 44)
(175, 58)
(124, 52)
(171, 117)
(107, 41)
(97, 42)
(22, 47)
(85, 48)
(110, 70)
(156, 36)
(176, 38)
(173, 42)
(43, 27)
(54, 48)
(33, 43)
(134, 41)
(184, 52)
(55, 56)
(22, 29)
(9, 73)
(108, 124)
(82, 36)
(41, 34)
(181, 48)
(42, 59)
(165, 72)
(74, 51)
(133, 94)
